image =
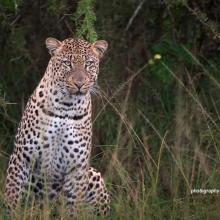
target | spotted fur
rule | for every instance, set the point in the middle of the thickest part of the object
(53, 141)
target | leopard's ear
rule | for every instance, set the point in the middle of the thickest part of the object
(53, 45)
(99, 48)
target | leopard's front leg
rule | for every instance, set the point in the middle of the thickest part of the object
(74, 189)
(17, 179)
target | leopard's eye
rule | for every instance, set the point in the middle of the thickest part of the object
(67, 62)
(89, 62)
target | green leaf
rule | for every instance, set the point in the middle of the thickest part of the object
(85, 20)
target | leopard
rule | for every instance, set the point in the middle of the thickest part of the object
(52, 147)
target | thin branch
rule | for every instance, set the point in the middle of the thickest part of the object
(134, 15)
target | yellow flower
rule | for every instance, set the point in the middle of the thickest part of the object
(151, 62)
(157, 56)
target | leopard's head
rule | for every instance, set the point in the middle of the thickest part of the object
(74, 64)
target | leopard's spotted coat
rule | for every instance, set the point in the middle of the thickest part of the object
(53, 142)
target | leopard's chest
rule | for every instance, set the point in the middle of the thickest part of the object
(59, 144)
(65, 145)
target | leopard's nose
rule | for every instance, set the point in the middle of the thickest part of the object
(79, 84)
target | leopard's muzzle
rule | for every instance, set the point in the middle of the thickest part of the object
(77, 82)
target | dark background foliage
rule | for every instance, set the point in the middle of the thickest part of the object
(156, 122)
